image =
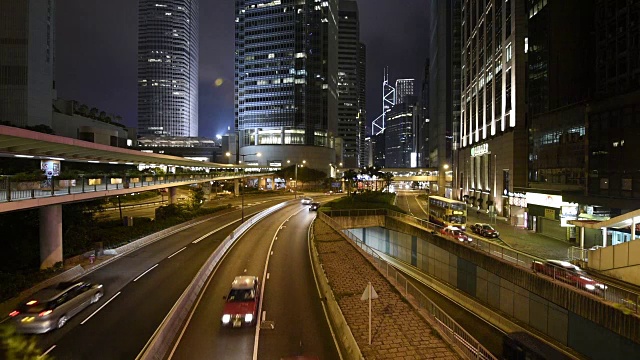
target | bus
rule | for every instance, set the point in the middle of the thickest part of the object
(447, 212)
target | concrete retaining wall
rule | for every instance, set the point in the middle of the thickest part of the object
(353, 222)
(576, 319)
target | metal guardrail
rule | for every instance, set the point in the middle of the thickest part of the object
(455, 333)
(15, 191)
(163, 338)
(627, 299)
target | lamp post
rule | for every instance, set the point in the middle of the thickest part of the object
(242, 183)
(295, 186)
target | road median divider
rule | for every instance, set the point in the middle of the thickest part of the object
(165, 335)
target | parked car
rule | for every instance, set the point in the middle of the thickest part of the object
(314, 206)
(569, 273)
(306, 201)
(455, 233)
(52, 307)
(241, 306)
(485, 230)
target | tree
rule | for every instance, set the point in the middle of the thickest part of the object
(82, 110)
(19, 347)
(348, 177)
(197, 197)
(388, 177)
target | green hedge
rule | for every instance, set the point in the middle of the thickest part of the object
(367, 200)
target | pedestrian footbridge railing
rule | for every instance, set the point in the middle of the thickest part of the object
(15, 188)
(448, 327)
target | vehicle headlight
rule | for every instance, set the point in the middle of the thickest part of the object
(248, 318)
(590, 287)
(226, 318)
(602, 286)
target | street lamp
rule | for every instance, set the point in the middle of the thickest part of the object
(241, 189)
(295, 187)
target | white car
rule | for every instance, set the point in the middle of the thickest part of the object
(307, 201)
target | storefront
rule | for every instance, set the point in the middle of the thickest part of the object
(549, 215)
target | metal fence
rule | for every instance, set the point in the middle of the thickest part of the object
(11, 190)
(449, 328)
(628, 299)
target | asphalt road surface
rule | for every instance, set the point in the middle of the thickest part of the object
(290, 299)
(140, 289)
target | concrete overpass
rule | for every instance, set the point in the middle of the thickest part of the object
(48, 196)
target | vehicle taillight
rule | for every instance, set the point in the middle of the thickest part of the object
(14, 313)
(45, 313)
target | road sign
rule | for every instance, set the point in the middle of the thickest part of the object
(365, 294)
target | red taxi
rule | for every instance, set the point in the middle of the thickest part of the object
(241, 306)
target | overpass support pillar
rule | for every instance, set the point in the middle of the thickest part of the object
(633, 228)
(50, 235)
(273, 183)
(236, 187)
(173, 195)
(262, 183)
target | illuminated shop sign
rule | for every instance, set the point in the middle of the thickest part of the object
(480, 150)
(551, 201)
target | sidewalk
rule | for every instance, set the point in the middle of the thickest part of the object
(398, 331)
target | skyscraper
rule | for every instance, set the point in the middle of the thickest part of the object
(168, 67)
(444, 84)
(27, 55)
(286, 75)
(349, 123)
(404, 88)
(362, 104)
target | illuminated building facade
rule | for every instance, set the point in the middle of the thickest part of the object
(492, 159)
(168, 67)
(399, 135)
(404, 88)
(350, 125)
(286, 70)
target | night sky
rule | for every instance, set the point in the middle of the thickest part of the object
(96, 49)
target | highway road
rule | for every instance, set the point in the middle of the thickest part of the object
(276, 250)
(140, 289)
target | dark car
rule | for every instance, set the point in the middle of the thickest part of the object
(485, 230)
(314, 206)
(51, 307)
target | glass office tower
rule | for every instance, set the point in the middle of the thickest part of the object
(285, 78)
(168, 68)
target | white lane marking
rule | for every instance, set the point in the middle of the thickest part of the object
(264, 275)
(267, 276)
(100, 308)
(211, 232)
(264, 315)
(193, 309)
(141, 275)
(175, 253)
(324, 309)
(46, 352)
